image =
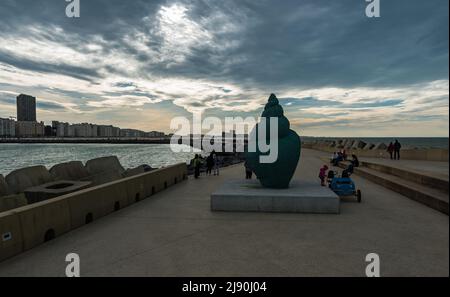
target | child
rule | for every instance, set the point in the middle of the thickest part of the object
(323, 174)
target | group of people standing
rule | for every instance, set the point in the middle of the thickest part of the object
(212, 164)
(394, 150)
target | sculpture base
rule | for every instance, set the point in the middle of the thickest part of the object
(250, 196)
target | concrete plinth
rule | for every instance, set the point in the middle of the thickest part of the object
(249, 195)
(54, 189)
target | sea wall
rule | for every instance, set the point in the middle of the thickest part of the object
(26, 227)
(372, 151)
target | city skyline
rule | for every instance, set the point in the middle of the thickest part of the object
(25, 124)
(335, 71)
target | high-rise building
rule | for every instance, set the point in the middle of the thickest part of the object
(26, 108)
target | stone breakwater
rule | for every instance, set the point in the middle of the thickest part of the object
(36, 183)
(376, 150)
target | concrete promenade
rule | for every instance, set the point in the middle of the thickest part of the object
(174, 233)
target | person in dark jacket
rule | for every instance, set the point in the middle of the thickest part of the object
(209, 164)
(348, 171)
(354, 161)
(248, 171)
(397, 147)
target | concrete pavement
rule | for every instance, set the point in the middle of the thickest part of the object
(174, 233)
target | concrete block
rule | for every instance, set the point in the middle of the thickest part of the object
(103, 177)
(134, 171)
(104, 164)
(24, 178)
(11, 242)
(74, 170)
(358, 144)
(12, 202)
(369, 146)
(4, 189)
(380, 146)
(349, 144)
(43, 221)
(54, 189)
(249, 195)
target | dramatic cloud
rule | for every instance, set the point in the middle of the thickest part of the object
(336, 71)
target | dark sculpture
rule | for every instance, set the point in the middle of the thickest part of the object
(277, 174)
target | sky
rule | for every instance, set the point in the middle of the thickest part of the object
(138, 64)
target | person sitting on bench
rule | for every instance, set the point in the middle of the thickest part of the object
(348, 171)
(338, 159)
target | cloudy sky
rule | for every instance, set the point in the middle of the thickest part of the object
(138, 64)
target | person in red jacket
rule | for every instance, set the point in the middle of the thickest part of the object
(323, 174)
(390, 149)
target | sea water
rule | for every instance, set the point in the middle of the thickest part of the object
(15, 156)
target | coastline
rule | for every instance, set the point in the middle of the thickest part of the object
(121, 140)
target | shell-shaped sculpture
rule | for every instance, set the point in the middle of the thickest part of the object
(279, 173)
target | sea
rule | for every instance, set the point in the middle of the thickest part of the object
(15, 156)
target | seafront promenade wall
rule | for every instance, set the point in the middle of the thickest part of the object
(407, 154)
(26, 227)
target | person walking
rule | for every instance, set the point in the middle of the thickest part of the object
(390, 149)
(397, 147)
(197, 164)
(209, 164)
(248, 171)
(216, 163)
